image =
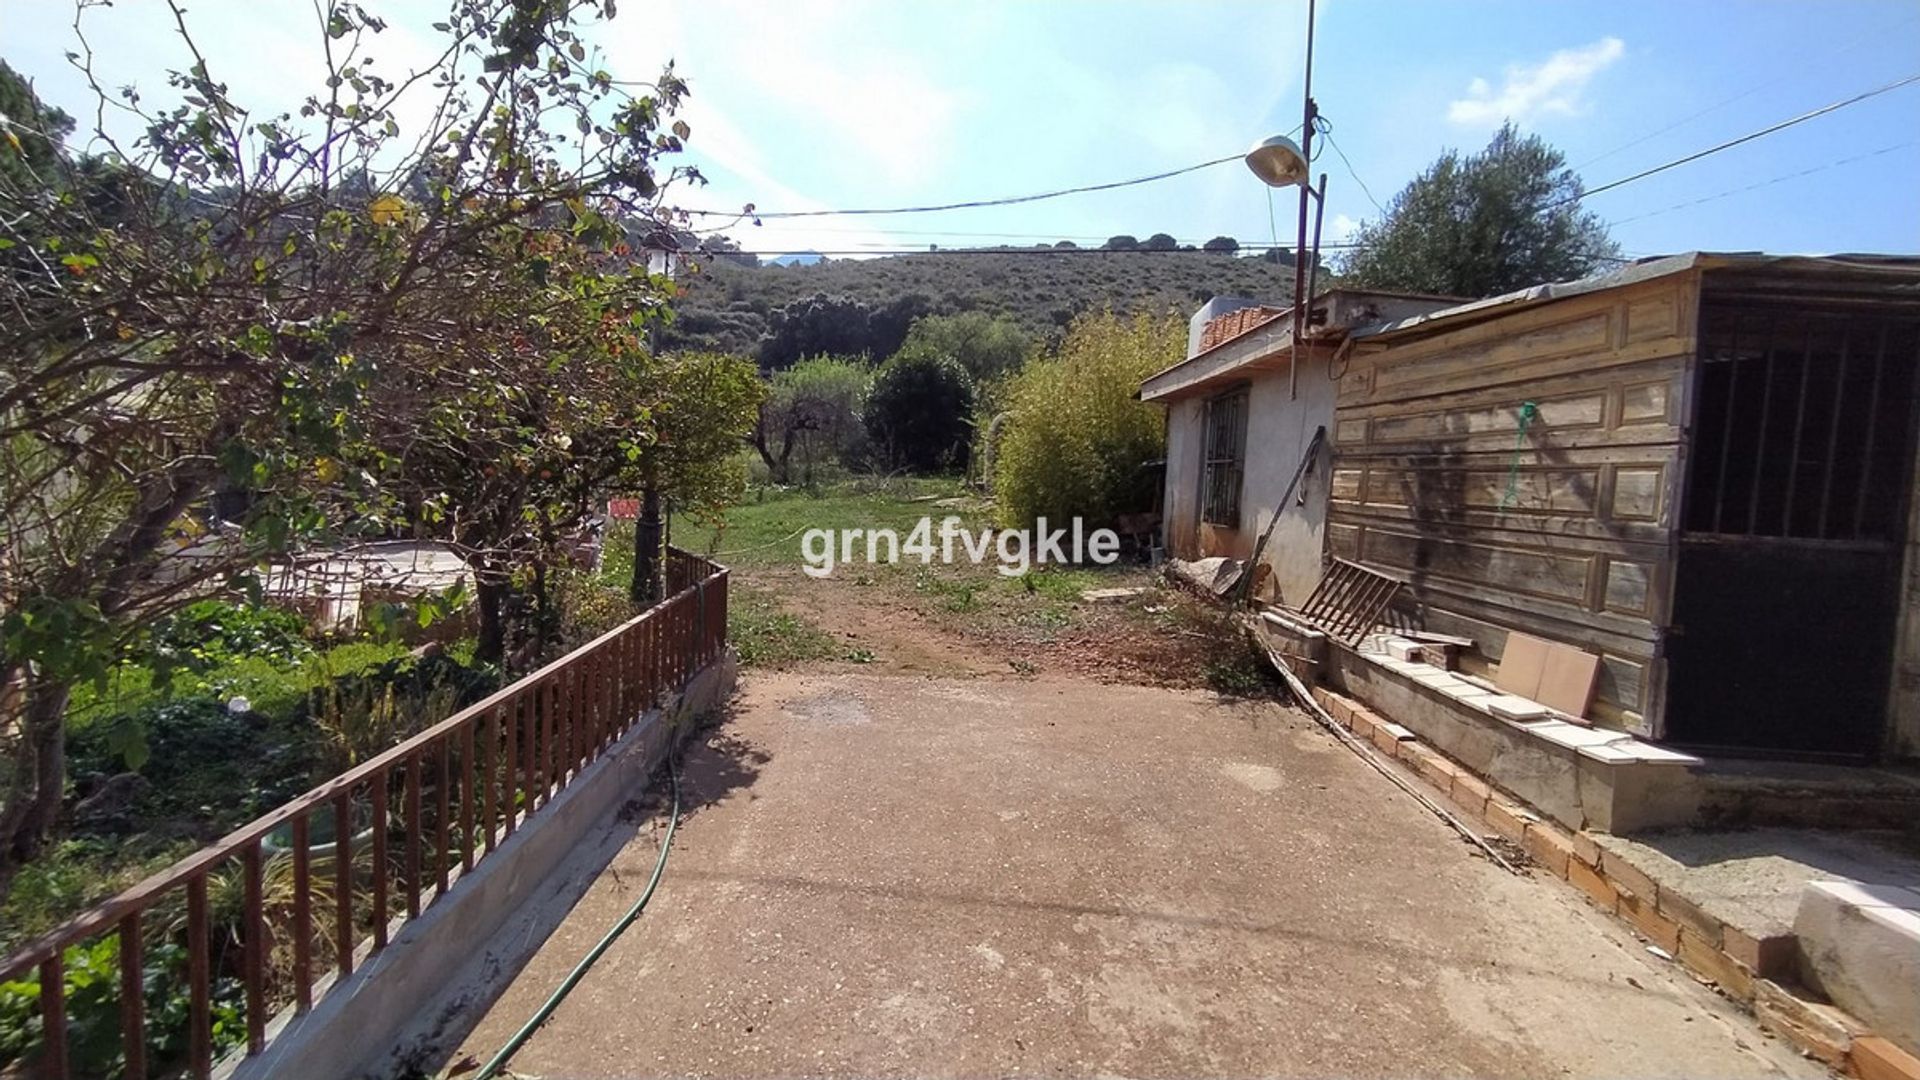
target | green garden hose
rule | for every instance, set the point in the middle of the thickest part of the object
(498, 1062)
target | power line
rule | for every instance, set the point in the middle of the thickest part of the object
(776, 252)
(1766, 183)
(1364, 190)
(1800, 65)
(975, 203)
(1730, 143)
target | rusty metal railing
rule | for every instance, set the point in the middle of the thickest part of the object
(284, 908)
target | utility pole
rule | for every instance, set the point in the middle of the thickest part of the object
(1309, 113)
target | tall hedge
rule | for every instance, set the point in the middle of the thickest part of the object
(1076, 440)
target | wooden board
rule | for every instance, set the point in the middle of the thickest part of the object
(1564, 532)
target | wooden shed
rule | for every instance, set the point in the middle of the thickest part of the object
(1700, 468)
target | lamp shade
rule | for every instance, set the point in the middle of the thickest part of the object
(1278, 162)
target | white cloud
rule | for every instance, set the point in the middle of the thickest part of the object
(870, 105)
(1549, 88)
(1341, 229)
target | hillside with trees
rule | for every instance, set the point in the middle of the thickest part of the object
(847, 306)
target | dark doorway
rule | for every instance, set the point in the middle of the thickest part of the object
(1786, 587)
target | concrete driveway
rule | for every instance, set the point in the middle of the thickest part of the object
(904, 876)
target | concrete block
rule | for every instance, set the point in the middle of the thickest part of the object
(1657, 928)
(1707, 961)
(1862, 950)
(1549, 847)
(1588, 880)
(1877, 1058)
(1816, 1029)
(1434, 768)
(1402, 649)
(1628, 877)
(1769, 955)
(1470, 792)
(1507, 820)
(1586, 850)
(1363, 722)
(1514, 707)
(1691, 918)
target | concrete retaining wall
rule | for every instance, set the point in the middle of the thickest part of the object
(442, 969)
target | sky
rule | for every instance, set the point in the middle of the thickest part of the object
(811, 104)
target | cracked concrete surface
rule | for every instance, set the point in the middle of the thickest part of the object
(903, 876)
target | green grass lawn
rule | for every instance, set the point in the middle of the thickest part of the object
(761, 540)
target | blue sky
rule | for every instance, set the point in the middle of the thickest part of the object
(804, 105)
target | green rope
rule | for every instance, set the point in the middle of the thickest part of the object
(1528, 413)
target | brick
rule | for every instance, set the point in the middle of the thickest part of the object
(1341, 708)
(1549, 847)
(1434, 768)
(1627, 877)
(1688, 914)
(1874, 1058)
(1588, 880)
(1323, 697)
(1471, 792)
(1770, 955)
(1586, 850)
(1364, 723)
(1386, 740)
(1816, 1029)
(1504, 818)
(1709, 962)
(1639, 910)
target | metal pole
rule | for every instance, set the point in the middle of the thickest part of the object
(1313, 260)
(1300, 245)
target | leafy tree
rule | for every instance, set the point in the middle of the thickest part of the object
(1503, 219)
(838, 326)
(987, 346)
(1221, 245)
(1161, 242)
(1076, 439)
(1123, 242)
(815, 407)
(246, 334)
(724, 247)
(30, 134)
(917, 412)
(706, 403)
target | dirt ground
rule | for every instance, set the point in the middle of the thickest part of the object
(920, 872)
(1159, 638)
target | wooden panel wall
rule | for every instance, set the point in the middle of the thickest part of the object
(1566, 532)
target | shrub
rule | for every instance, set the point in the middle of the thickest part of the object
(988, 346)
(918, 411)
(207, 633)
(1076, 441)
(93, 1010)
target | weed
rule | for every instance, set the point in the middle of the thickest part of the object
(766, 635)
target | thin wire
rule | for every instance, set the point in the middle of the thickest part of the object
(1800, 66)
(1364, 190)
(1035, 251)
(1766, 183)
(970, 204)
(1730, 143)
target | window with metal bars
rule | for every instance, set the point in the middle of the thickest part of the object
(1226, 453)
(1804, 424)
